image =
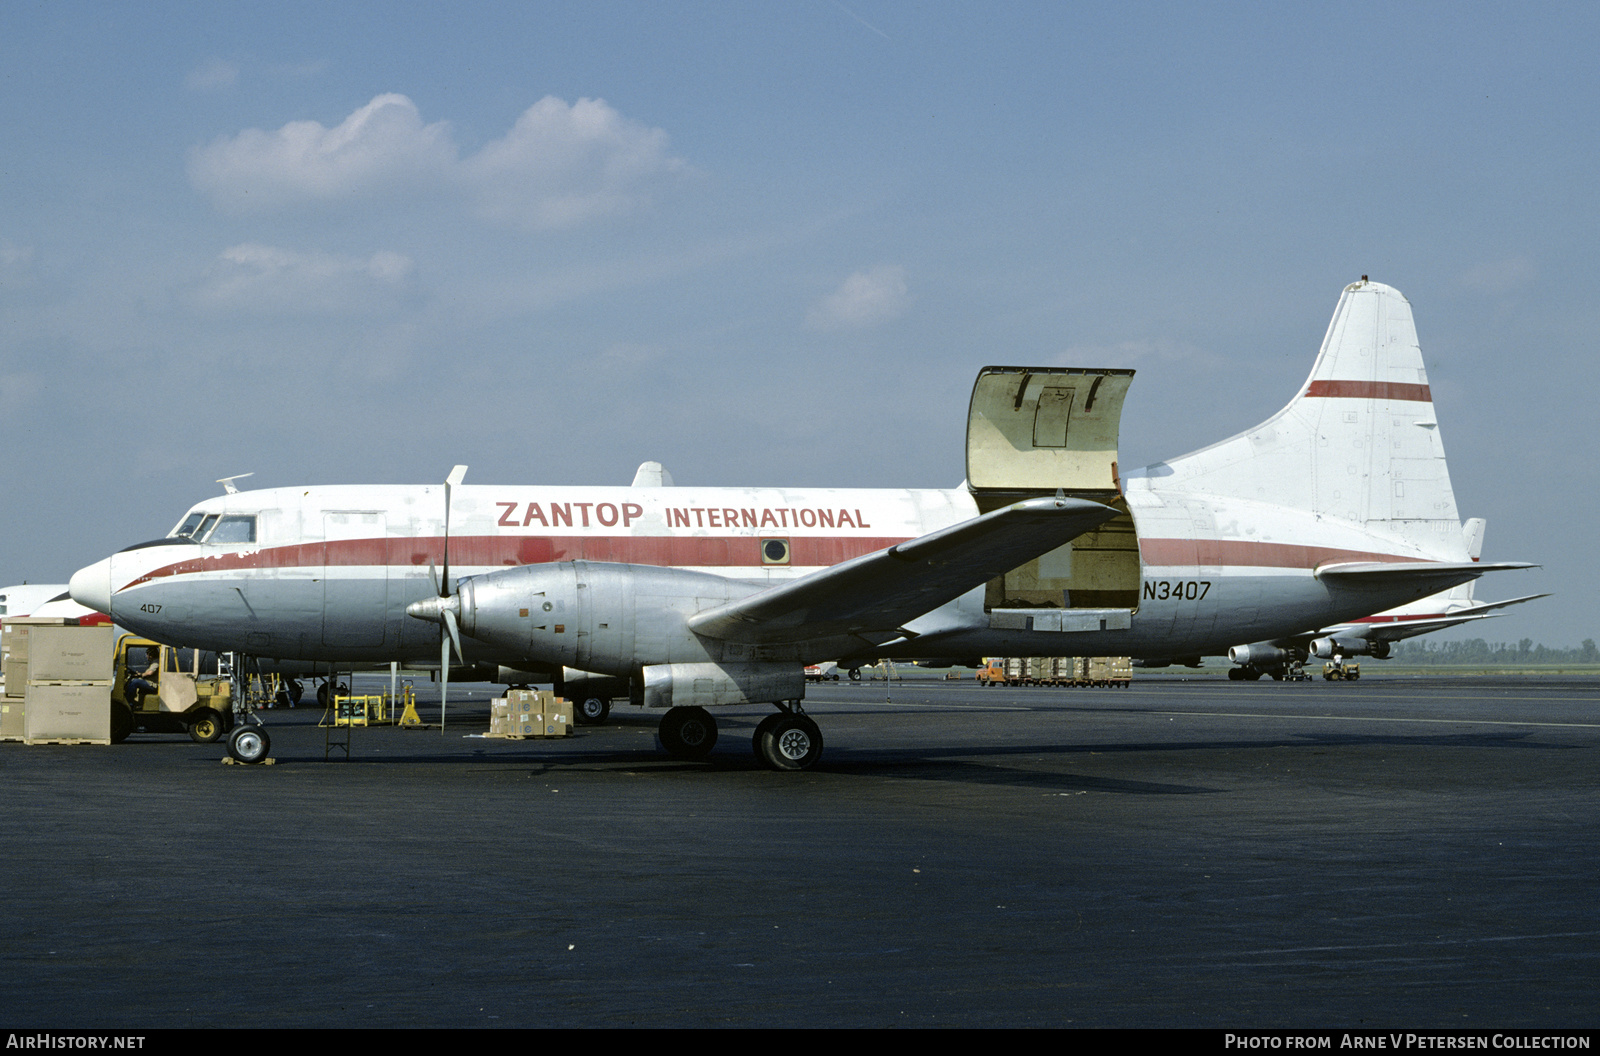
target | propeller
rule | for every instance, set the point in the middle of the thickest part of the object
(443, 609)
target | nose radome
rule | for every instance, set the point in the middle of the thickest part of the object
(91, 586)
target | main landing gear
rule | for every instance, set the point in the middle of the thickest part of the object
(688, 733)
(591, 711)
(789, 740)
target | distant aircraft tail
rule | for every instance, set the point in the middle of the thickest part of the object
(1358, 443)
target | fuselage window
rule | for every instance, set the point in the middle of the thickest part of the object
(234, 529)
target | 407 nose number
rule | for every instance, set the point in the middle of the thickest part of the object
(1176, 589)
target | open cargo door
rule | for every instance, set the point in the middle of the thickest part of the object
(1035, 431)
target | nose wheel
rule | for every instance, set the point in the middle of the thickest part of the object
(249, 744)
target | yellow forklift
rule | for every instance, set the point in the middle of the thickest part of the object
(1337, 670)
(151, 692)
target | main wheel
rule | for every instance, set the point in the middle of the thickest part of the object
(249, 744)
(855, 674)
(787, 741)
(207, 728)
(688, 733)
(592, 711)
(121, 722)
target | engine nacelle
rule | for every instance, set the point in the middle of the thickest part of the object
(581, 685)
(598, 617)
(1261, 654)
(710, 685)
(1328, 648)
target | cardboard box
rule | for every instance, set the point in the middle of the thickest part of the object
(16, 675)
(68, 713)
(530, 713)
(11, 719)
(71, 654)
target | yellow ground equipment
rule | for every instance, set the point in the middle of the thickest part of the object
(373, 710)
(180, 702)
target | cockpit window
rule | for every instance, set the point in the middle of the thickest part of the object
(186, 529)
(200, 533)
(234, 529)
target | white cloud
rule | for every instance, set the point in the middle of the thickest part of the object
(866, 298)
(558, 166)
(381, 146)
(211, 76)
(561, 165)
(253, 277)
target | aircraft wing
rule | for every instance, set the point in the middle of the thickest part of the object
(879, 592)
(1395, 630)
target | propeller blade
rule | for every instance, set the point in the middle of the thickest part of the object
(455, 477)
(455, 633)
(444, 678)
(448, 632)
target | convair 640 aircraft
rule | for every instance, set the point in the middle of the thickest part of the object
(1337, 507)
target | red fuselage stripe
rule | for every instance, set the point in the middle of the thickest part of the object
(1370, 390)
(481, 551)
(697, 551)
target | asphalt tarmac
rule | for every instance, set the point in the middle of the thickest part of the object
(1394, 852)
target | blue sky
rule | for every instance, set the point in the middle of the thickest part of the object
(771, 243)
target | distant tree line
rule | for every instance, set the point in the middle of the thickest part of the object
(1478, 651)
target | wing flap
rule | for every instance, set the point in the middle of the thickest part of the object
(876, 593)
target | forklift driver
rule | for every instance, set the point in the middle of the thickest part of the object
(145, 681)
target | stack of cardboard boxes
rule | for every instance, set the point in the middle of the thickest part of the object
(58, 682)
(14, 636)
(529, 713)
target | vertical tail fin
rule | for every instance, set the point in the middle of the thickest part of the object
(1359, 442)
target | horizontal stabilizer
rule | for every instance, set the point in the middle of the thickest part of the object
(879, 592)
(1435, 575)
